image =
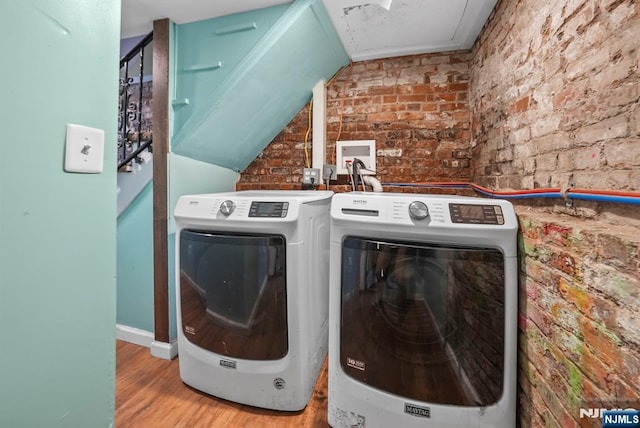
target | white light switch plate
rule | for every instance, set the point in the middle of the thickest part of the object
(84, 149)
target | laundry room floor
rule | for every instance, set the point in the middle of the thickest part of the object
(149, 393)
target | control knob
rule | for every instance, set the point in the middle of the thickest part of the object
(418, 210)
(227, 207)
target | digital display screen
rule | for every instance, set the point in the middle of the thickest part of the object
(472, 212)
(268, 209)
(476, 214)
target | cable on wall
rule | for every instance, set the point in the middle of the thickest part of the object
(344, 90)
(615, 196)
(306, 137)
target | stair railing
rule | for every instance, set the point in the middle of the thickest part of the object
(134, 108)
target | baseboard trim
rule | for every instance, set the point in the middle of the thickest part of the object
(134, 335)
(166, 351)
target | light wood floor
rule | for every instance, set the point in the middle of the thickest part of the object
(149, 393)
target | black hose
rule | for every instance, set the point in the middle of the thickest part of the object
(358, 165)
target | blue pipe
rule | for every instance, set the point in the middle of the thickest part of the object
(583, 196)
(605, 198)
(523, 195)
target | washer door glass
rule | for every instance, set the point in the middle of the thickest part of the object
(422, 321)
(233, 293)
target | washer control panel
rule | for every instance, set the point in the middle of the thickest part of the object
(476, 214)
(430, 211)
(268, 209)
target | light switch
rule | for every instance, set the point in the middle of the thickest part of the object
(84, 149)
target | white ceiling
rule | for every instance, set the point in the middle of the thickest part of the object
(368, 28)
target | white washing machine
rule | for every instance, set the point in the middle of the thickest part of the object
(252, 294)
(422, 312)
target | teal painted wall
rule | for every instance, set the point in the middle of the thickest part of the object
(57, 230)
(135, 287)
(234, 112)
(202, 46)
(135, 263)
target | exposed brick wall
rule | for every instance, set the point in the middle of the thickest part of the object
(417, 106)
(579, 319)
(554, 95)
(279, 166)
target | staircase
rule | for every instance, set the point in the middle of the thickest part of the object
(240, 79)
(134, 122)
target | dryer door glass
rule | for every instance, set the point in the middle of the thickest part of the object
(233, 293)
(422, 321)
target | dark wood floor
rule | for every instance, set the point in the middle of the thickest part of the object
(149, 393)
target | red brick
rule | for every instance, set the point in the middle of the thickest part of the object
(601, 342)
(450, 106)
(616, 250)
(563, 262)
(556, 234)
(411, 98)
(519, 106)
(599, 373)
(630, 370)
(458, 87)
(605, 311)
(382, 117)
(381, 90)
(447, 96)
(564, 97)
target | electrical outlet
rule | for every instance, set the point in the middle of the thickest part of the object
(329, 172)
(311, 176)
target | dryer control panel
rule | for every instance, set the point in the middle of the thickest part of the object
(268, 209)
(249, 206)
(476, 214)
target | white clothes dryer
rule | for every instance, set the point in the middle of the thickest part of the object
(252, 294)
(422, 312)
